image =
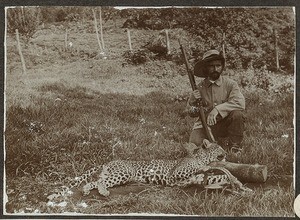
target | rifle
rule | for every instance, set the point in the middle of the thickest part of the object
(198, 101)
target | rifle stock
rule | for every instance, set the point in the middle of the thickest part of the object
(199, 101)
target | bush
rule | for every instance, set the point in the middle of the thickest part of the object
(262, 80)
(157, 45)
(256, 79)
(249, 36)
(137, 57)
(26, 20)
(285, 88)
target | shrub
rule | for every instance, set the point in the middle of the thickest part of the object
(157, 45)
(26, 20)
(286, 87)
(258, 78)
(137, 57)
(262, 80)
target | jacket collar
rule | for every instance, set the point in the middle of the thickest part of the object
(218, 82)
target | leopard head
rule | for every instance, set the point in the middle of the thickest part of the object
(208, 152)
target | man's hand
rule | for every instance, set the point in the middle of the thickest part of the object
(212, 117)
(197, 94)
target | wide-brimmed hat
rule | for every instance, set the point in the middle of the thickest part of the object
(207, 57)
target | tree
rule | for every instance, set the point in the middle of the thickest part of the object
(25, 19)
(110, 13)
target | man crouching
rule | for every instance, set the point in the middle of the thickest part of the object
(223, 104)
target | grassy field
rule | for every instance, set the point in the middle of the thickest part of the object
(74, 110)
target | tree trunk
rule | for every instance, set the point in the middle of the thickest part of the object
(129, 39)
(96, 29)
(276, 50)
(20, 52)
(246, 173)
(101, 29)
(168, 42)
(223, 49)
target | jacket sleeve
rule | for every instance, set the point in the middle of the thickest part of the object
(235, 101)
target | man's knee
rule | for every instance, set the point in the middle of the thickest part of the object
(237, 115)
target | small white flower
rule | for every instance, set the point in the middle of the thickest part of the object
(23, 197)
(50, 203)
(142, 121)
(83, 204)
(285, 136)
(62, 204)
(52, 196)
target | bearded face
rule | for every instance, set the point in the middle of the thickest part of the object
(214, 69)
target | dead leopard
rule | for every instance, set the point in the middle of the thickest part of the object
(182, 172)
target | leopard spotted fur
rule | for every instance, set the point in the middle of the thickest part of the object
(181, 172)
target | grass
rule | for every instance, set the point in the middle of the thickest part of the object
(92, 128)
(65, 117)
(79, 115)
(94, 118)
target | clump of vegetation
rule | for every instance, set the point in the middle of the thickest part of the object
(248, 32)
(25, 19)
(284, 88)
(137, 57)
(262, 79)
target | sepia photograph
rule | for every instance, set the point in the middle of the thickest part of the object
(149, 111)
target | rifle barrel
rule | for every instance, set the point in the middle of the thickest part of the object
(191, 76)
(199, 102)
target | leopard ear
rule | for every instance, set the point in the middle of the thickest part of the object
(206, 143)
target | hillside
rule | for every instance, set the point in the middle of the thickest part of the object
(248, 34)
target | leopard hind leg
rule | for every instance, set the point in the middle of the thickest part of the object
(88, 187)
(107, 179)
(102, 189)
